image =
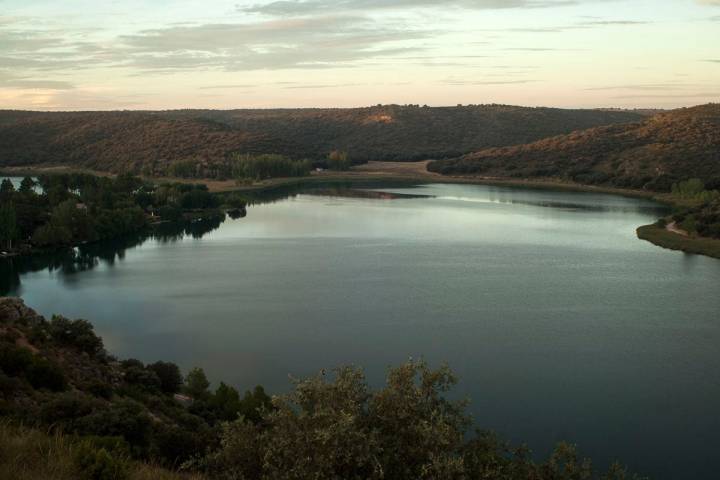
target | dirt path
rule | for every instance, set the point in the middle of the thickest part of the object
(672, 227)
(414, 169)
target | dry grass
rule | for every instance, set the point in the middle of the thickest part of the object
(31, 454)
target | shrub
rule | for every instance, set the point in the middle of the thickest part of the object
(125, 419)
(261, 167)
(338, 160)
(75, 333)
(67, 407)
(135, 373)
(100, 389)
(99, 464)
(169, 375)
(40, 373)
(44, 374)
(14, 361)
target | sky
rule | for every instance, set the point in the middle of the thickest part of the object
(169, 54)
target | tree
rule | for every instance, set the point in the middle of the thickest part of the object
(50, 234)
(6, 187)
(339, 160)
(76, 220)
(339, 429)
(8, 225)
(226, 401)
(27, 185)
(334, 426)
(197, 384)
(169, 374)
(76, 333)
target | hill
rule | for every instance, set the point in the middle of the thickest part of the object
(651, 154)
(149, 142)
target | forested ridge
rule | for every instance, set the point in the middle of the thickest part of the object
(653, 154)
(150, 143)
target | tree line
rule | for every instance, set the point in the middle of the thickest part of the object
(71, 209)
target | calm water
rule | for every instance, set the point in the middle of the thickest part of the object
(560, 323)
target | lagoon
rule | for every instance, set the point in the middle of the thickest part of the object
(560, 323)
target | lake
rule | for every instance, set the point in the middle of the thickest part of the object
(560, 323)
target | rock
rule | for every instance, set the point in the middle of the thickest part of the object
(13, 310)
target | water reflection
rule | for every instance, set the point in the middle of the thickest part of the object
(68, 263)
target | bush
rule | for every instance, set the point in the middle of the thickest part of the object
(125, 419)
(100, 389)
(44, 374)
(261, 167)
(338, 428)
(338, 160)
(99, 464)
(135, 373)
(67, 407)
(169, 375)
(14, 361)
(40, 373)
(75, 333)
(175, 445)
(170, 213)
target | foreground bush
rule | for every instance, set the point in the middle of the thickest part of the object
(330, 428)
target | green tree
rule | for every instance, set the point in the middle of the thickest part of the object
(169, 374)
(339, 160)
(689, 188)
(334, 426)
(76, 220)
(49, 234)
(6, 187)
(226, 401)
(8, 225)
(197, 384)
(27, 185)
(75, 333)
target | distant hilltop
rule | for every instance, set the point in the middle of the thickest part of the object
(150, 142)
(651, 154)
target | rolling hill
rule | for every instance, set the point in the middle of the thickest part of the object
(149, 142)
(651, 154)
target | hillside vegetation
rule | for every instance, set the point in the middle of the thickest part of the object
(150, 142)
(652, 154)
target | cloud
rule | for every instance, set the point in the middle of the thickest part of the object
(612, 22)
(29, 84)
(486, 82)
(583, 25)
(709, 2)
(337, 85)
(647, 87)
(287, 8)
(315, 42)
(530, 49)
(229, 87)
(674, 95)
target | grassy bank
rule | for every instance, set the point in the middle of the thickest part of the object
(673, 241)
(31, 454)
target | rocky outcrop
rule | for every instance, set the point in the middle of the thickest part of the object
(14, 311)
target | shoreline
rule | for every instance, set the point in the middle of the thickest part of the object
(415, 173)
(667, 239)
